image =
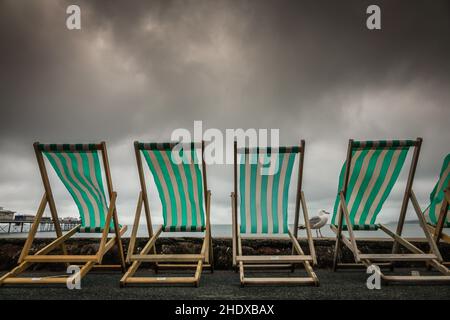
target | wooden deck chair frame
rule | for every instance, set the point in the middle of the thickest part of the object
(241, 262)
(86, 262)
(434, 258)
(437, 231)
(198, 262)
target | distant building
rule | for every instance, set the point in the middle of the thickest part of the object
(24, 218)
(6, 215)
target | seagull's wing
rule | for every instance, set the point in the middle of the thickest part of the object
(314, 220)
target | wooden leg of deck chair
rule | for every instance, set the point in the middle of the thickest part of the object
(337, 246)
(306, 264)
(135, 264)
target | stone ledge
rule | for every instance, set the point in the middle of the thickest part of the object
(10, 249)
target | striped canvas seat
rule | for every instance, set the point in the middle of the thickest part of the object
(264, 193)
(374, 169)
(180, 186)
(79, 169)
(437, 195)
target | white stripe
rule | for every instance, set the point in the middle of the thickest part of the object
(370, 185)
(90, 182)
(198, 201)
(269, 201)
(247, 194)
(186, 195)
(86, 190)
(383, 187)
(85, 213)
(96, 182)
(285, 158)
(165, 194)
(173, 180)
(357, 186)
(258, 197)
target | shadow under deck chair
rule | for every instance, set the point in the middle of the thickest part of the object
(263, 205)
(185, 201)
(366, 180)
(78, 167)
(438, 212)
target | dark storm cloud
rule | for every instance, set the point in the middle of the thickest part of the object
(140, 69)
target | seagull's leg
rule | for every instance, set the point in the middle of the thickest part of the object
(320, 232)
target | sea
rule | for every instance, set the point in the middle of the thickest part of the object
(411, 229)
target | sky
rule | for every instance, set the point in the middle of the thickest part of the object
(138, 70)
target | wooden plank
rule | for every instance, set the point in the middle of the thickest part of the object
(273, 259)
(112, 207)
(167, 257)
(134, 231)
(34, 228)
(416, 278)
(181, 266)
(400, 240)
(161, 280)
(233, 222)
(299, 188)
(337, 245)
(312, 250)
(423, 224)
(49, 194)
(112, 195)
(408, 189)
(56, 242)
(279, 280)
(349, 227)
(60, 258)
(398, 257)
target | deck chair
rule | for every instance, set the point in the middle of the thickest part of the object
(262, 194)
(185, 201)
(78, 167)
(366, 180)
(438, 212)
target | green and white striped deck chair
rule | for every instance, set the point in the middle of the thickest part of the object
(180, 180)
(438, 212)
(262, 182)
(366, 180)
(79, 169)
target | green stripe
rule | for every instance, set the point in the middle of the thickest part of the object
(199, 188)
(98, 175)
(395, 174)
(264, 216)
(287, 181)
(181, 195)
(80, 190)
(81, 177)
(437, 195)
(169, 185)
(158, 184)
(367, 177)
(67, 182)
(190, 184)
(355, 171)
(276, 182)
(376, 188)
(242, 174)
(253, 216)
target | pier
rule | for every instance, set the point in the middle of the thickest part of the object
(17, 226)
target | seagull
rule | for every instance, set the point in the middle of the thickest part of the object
(318, 222)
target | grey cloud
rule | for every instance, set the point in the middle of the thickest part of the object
(140, 69)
